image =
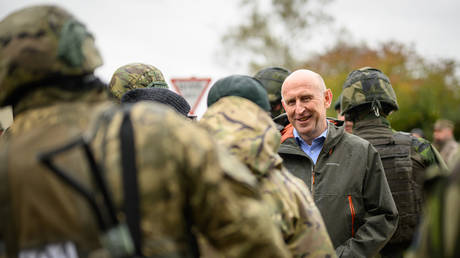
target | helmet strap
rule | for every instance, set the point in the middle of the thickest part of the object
(376, 107)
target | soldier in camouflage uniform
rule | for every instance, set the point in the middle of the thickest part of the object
(186, 184)
(444, 141)
(272, 78)
(439, 234)
(367, 99)
(55, 197)
(250, 135)
(135, 76)
(48, 58)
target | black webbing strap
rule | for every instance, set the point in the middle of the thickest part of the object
(130, 183)
(47, 159)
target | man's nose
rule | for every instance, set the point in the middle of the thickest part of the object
(299, 107)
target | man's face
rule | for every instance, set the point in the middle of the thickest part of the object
(305, 104)
(442, 134)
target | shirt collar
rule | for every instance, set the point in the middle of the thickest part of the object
(320, 138)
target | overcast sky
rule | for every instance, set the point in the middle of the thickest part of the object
(181, 37)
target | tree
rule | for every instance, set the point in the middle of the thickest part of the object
(426, 90)
(274, 32)
(278, 32)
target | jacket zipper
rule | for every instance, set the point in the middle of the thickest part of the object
(312, 182)
(352, 211)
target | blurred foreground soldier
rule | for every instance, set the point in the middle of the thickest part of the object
(367, 99)
(184, 185)
(443, 140)
(48, 58)
(439, 235)
(272, 78)
(343, 171)
(135, 76)
(56, 193)
(160, 95)
(250, 135)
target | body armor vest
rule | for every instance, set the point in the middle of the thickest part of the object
(395, 153)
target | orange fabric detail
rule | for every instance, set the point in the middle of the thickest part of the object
(352, 210)
(332, 121)
(287, 132)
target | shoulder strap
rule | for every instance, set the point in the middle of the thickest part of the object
(130, 183)
(403, 138)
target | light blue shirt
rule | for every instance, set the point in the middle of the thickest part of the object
(314, 149)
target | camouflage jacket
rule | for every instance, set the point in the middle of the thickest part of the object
(250, 134)
(181, 188)
(439, 234)
(30, 195)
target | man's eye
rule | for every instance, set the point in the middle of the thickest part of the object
(306, 99)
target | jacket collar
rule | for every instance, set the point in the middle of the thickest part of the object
(371, 121)
(334, 135)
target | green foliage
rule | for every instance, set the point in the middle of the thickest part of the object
(278, 32)
(274, 32)
(426, 90)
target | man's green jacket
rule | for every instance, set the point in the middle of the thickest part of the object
(349, 187)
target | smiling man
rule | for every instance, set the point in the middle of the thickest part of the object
(344, 172)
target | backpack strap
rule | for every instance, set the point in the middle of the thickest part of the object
(47, 159)
(130, 182)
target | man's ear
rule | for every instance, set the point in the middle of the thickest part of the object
(327, 98)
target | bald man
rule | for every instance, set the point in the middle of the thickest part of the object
(343, 171)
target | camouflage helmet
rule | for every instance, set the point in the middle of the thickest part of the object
(272, 79)
(136, 76)
(41, 43)
(368, 86)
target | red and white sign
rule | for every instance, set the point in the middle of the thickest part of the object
(192, 89)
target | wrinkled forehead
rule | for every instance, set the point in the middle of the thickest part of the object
(312, 85)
